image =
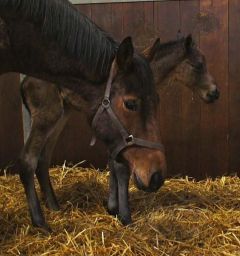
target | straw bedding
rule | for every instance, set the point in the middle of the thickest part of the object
(184, 218)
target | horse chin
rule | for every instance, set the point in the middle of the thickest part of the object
(210, 97)
(208, 100)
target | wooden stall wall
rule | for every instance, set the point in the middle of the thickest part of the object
(197, 135)
(201, 139)
(11, 131)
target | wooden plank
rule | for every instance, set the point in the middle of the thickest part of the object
(214, 117)
(117, 21)
(85, 9)
(83, 2)
(133, 23)
(191, 106)
(151, 33)
(234, 82)
(11, 129)
(102, 15)
(167, 22)
(73, 145)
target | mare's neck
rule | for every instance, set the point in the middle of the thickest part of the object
(84, 53)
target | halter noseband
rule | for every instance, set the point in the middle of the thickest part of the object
(127, 138)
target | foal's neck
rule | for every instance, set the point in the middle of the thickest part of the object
(164, 69)
(166, 62)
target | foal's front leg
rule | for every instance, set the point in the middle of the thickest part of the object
(112, 205)
(28, 164)
(120, 181)
(42, 171)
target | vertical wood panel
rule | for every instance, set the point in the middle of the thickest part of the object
(191, 108)
(214, 117)
(85, 9)
(117, 21)
(234, 84)
(167, 22)
(102, 15)
(133, 22)
(73, 145)
(11, 127)
(151, 33)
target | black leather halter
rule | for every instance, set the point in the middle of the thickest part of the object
(128, 139)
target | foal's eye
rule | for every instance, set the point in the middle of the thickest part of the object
(199, 66)
(132, 105)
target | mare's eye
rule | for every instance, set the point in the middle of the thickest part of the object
(132, 104)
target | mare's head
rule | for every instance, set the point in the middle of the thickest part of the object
(182, 61)
(134, 100)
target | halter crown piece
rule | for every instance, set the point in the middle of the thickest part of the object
(128, 139)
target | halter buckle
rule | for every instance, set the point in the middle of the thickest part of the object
(106, 102)
(130, 140)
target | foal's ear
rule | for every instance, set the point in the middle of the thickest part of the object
(150, 52)
(124, 55)
(189, 42)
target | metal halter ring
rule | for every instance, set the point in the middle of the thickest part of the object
(130, 140)
(106, 102)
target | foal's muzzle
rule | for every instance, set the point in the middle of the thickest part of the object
(212, 96)
(155, 183)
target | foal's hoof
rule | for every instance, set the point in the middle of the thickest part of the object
(53, 206)
(112, 211)
(125, 220)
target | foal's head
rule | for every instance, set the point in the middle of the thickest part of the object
(196, 75)
(134, 100)
(181, 61)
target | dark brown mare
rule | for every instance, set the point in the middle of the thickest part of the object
(173, 62)
(51, 40)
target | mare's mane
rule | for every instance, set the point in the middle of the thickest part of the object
(77, 34)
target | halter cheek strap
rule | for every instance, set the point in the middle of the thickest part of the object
(128, 139)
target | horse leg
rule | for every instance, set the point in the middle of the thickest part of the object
(112, 205)
(44, 162)
(27, 166)
(123, 175)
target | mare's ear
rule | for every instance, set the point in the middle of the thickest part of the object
(124, 56)
(189, 42)
(150, 52)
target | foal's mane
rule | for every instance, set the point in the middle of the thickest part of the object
(75, 33)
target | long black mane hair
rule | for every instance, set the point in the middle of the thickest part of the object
(77, 34)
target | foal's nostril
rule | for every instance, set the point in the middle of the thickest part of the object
(212, 96)
(139, 183)
(217, 94)
(156, 182)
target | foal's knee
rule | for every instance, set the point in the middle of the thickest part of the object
(27, 166)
